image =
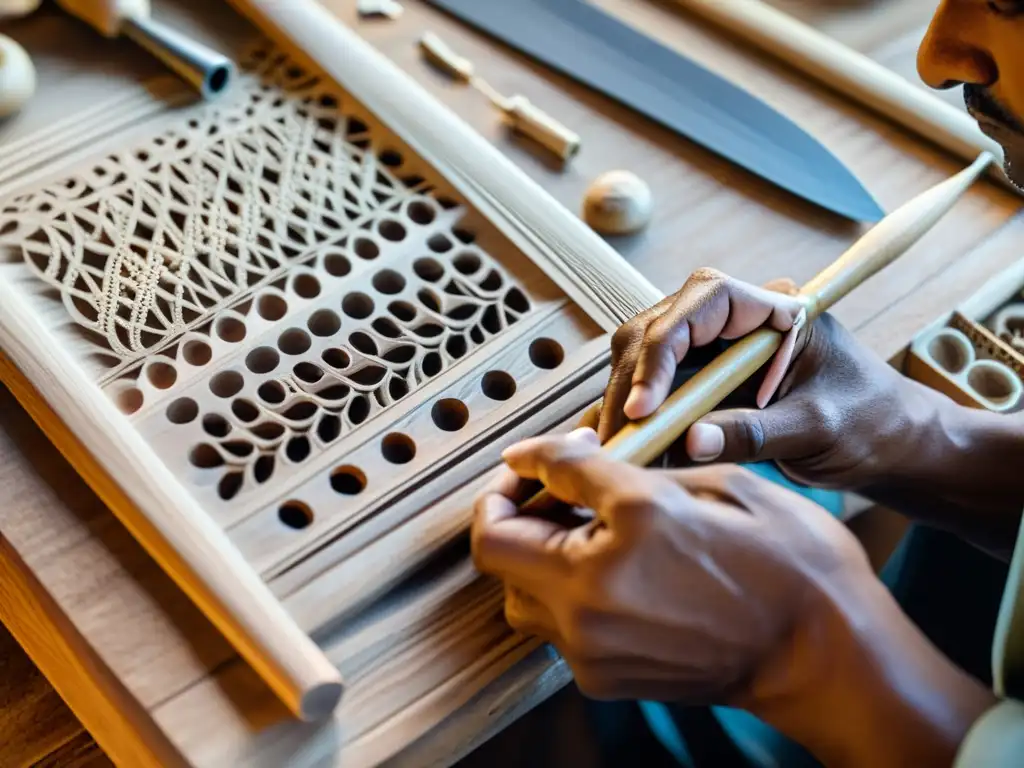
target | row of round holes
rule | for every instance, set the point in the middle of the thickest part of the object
(448, 414)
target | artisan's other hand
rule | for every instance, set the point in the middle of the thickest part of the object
(689, 585)
(715, 586)
(840, 415)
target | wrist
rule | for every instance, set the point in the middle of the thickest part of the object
(858, 684)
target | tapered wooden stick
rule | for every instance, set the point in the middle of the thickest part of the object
(850, 73)
(642, 441)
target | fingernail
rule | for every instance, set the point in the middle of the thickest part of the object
(706, 442)
(584, 434)
(513, 452)
(636, 401)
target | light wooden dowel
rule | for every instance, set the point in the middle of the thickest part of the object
(850, 73)
(642, 441)
(143, 493)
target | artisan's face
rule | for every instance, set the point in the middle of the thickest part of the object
(980, 44)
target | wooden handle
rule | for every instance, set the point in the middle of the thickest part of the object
(162, 516)
(643, 441)
(850, 73)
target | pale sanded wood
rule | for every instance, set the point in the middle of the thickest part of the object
(699, 202)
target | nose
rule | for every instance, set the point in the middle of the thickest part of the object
(954, 50)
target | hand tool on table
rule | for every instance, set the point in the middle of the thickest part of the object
(595, 49)
(642, 441)
(208, 71)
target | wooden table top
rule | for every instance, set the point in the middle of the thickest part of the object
(93, 610)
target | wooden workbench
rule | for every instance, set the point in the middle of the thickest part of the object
(93, 611)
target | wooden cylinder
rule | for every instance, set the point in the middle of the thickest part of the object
(160, 514)
(850, 73)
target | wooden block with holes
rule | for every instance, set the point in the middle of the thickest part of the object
(975, 353)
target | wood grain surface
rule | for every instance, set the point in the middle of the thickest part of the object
(131, 619)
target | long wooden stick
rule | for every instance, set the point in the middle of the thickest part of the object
(156, 509)
(642, 441)
(851, 73)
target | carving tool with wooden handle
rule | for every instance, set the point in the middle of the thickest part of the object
(642, 441)
(208, 71)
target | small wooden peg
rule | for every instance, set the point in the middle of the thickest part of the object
(442, 56)
(530, 121)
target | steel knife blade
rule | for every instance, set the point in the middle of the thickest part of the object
(594, 48)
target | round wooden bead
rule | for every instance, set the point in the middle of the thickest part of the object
(17, 77)
(617, 203)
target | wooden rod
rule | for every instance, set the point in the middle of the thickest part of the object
(642, 441)
(156, 509)
(850, 73)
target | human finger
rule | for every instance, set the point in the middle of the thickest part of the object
(784, 431)
(709, 306)
(527, 614)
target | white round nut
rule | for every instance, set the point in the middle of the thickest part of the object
(17, 77)
(617, 203)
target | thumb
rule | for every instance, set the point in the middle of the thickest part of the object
(781, 432)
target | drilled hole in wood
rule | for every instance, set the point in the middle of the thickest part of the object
(450, 414)
(268, 430)
(498, 385)
(439, 244)
(245, 411)
(456, 346)
(515, 299)
(390, 158)
(271, 307)
(546, 353)
(357, 305)
(398, 448)
(300, 411)
(196, 352)
(403, 310)
(216, 425)
(392, 229)
(348, 480)
(429, 299)
(397, 388)
(161, 375)
(336, 265)
(492, 282)
(367, 249)
(182, 411)
(263, 468)
(428, 269)
(227, 384)
(306, 286)
(297, 449)
(229, 485)
(386, 327)
(324, 323)
(205, 456)
(295, 515)
(307, 372)
(329, 428)
(388, 281)
(467, 263)
(421, 212)
(230, 329)
(294, 341)
(338, 359)
(432, 364)
(464, 235)
(262, 360)
(271, 392)
(358, 410)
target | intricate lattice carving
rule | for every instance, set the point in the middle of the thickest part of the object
(149, 241)
(343, 360)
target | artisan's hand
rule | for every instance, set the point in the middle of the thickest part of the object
(715, 586)
(688, 585)
(841, 414)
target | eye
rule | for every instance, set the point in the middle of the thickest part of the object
(1006, 8)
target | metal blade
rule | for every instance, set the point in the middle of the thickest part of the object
(595, 49)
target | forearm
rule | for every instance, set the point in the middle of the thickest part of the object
(963, 470)
(880, 694)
